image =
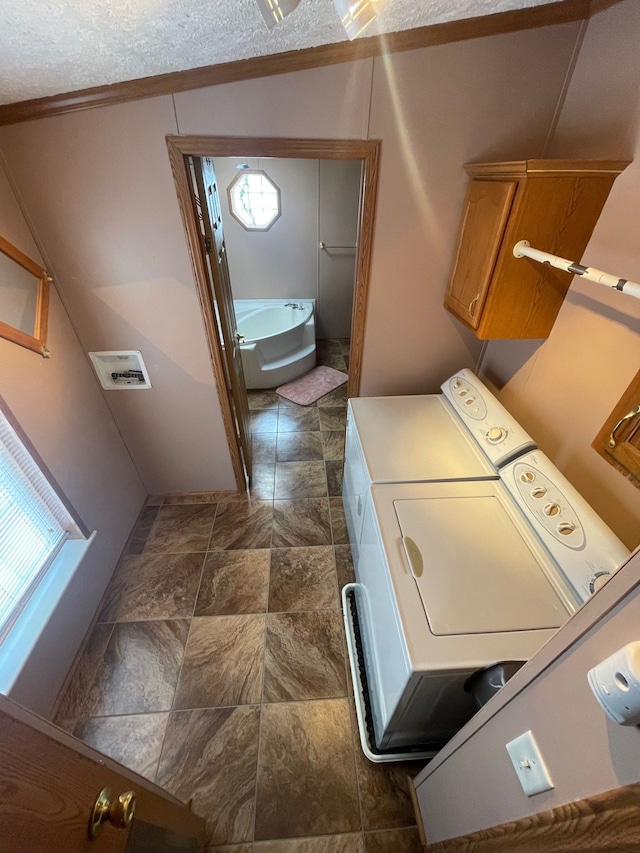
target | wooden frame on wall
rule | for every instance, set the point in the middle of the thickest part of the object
(618, 441)
(367, 151)
(37, 339)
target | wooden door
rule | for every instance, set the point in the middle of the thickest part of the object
(220, 288)
(49, 782)
(486, 211)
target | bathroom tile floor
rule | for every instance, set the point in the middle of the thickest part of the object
(217, 667)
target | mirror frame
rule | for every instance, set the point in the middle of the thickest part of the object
(38, 340)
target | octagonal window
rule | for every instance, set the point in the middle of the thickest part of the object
(254, 200)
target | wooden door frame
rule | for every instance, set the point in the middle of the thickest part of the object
(367, 151)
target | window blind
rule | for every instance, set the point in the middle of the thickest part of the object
(33, 525)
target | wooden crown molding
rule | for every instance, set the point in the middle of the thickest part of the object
(558, 12)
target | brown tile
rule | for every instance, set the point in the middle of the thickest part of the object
(306, 774)
(333, 418)
(262, 399)
(334, 477)
(140, 668)
(385, 801)
(333, 444)
(298, 419)
(302, 579)
(75, 702)
(393, 841)
(345, 345)
(216, 765)
(337, 397)
(299, 447)
(263, 420)
(180, 529)
(344, 565)
(234, 582)
(328, 346)
(300, 480)
(223, 662)
(229, 848)
(351, 843)
(153, 586)
(243, 525)
(301, 522)
(140, 534)
(335, 360)
(263, 477)
(154, 500)
(304, 657)
(134, 740)
(338, 522)
(263, 446)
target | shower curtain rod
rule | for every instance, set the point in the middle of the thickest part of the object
(523, 250)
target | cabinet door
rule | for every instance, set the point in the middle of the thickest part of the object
(486, 211)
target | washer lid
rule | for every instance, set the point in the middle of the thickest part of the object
(416, 438)
(474, 571)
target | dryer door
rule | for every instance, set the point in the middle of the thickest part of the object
(479, 574)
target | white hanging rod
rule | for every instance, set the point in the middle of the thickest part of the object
(524, 250)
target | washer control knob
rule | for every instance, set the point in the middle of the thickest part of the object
(528, 477)
(566, 528)
(538, 492)
(598, 581)
(456, 384)
(496, 434)
(463, 393)
(551, 509)
(469, 401)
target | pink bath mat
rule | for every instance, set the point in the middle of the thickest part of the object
(313, 385)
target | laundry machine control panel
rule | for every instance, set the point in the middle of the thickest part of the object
(581, 544)
(498, 434)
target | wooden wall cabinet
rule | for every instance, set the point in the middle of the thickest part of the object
(554, 204)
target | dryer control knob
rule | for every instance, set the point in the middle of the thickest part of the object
(566, 528)
(551, 509)
(496, 434)
(598, 581)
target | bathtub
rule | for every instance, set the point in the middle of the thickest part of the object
(278, 339)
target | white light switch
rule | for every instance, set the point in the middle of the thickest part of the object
(529, 764)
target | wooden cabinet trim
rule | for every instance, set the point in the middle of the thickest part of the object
(625, 455)
(520, 169)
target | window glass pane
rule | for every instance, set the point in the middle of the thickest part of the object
(33, 524)
(255, 200)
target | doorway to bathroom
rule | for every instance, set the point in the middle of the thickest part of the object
(201, 196)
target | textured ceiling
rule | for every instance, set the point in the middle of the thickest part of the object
(48, 47)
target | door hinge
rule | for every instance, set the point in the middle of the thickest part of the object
(207, 245)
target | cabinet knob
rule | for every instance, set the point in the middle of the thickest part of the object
(472, 303)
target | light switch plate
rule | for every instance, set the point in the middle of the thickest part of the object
(529, 764)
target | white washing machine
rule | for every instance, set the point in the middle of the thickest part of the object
(465, 433)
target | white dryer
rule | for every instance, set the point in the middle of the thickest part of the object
(453, 577)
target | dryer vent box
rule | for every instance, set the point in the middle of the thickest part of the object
(120, 369)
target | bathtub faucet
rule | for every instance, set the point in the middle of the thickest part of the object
(292, 305)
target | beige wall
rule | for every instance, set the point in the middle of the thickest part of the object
(564, 389)
(98, 187)
(281, 263)
(99, 190)
(475, 786)
(59, 406)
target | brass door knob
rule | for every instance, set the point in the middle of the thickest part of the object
(118, 812)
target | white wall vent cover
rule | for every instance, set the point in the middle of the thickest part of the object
(119, 370)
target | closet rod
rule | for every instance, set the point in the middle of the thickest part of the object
(523, 250)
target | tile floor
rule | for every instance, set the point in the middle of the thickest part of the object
(222, 670)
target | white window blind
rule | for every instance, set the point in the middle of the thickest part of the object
(33, 525)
